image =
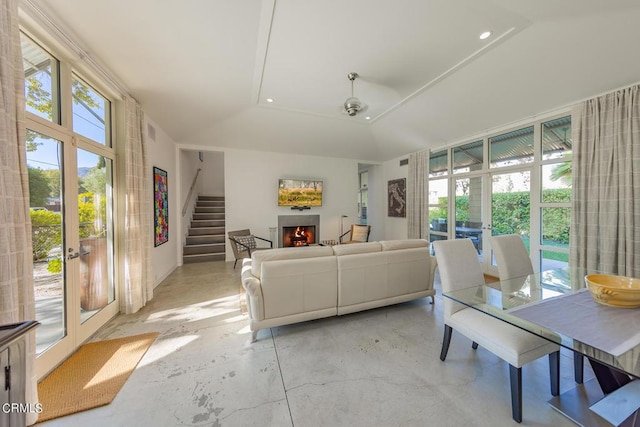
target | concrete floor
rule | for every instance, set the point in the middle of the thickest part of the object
(374, 368)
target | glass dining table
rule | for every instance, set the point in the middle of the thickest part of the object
(556, 305)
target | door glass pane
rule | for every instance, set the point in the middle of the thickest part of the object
(552, 259)
(96, 232)
(90, 113)
(438, 163)
(40, 81)
(438, 208)
(555, 227)
(511, 203)
(469, 211)
(556, 138)
(468, 157)
(513, 148)
(556, 182)
(44, 163)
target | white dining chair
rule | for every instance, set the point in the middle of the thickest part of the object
(459, 268)
(511, 256)
(513, 261)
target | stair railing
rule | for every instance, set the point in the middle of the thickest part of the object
(190, 194)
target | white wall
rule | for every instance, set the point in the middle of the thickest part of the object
(395, 228)
(189, 164)
(251, 190)
(161, 153)
(212, 175)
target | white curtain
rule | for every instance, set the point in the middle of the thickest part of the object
(605, 224)
(418, 196)
(17, 301)
(137, 287)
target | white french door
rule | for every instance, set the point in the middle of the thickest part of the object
(70, 161)
(509, 206)
(72, 239)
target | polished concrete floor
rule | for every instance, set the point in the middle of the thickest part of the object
(375, 368)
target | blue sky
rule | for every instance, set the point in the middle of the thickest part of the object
(84, 123)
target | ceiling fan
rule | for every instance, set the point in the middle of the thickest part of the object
(353, 105)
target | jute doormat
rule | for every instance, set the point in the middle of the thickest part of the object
(92, 376)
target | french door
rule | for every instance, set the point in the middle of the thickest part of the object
(509, 202)
(70, 162)
(72, 240)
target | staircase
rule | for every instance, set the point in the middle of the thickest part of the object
(206, 236)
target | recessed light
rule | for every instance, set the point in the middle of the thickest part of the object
(368, 118)
(485, 35)
(269, 99)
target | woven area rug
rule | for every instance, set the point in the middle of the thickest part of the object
(92, 376)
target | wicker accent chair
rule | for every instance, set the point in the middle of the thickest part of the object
(358, 233)
(243, 244)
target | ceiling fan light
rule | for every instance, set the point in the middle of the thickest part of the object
(352, 105)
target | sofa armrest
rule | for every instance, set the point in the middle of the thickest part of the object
(433, 263)
(253, 288)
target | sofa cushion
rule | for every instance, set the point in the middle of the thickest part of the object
(258, 257)
(357, 248)
(394, 245)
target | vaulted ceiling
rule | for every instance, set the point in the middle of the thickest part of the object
(203, 70)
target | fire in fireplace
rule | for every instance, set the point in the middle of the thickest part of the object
(302, 235)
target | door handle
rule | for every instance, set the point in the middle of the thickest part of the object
(71, 254)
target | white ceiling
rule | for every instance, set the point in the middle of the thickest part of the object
(203, 69)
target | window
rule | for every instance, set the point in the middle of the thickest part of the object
(90, 113)
(438, 163)
(555, 193)
(70, 160)
(363, 196)
(438, 195)
(513, 182)
(468, 157)
(513, 148)
(40, 81)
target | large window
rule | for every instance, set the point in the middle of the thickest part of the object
(70, 160)
(513, 182)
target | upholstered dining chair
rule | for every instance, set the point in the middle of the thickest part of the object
(358, 233)
(513, 261)
(459, 268)
(511, 256)
(243, 243)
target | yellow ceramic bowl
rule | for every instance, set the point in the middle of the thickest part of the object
(614, 291)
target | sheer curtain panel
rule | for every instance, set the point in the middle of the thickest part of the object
(417, 196)
(137, 287)
(17, 301)
(605, 224)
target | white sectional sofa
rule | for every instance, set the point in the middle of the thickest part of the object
(290, 285)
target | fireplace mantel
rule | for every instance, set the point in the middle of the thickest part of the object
(297, 220)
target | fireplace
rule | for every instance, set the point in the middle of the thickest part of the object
(298, 230)
(302, 235)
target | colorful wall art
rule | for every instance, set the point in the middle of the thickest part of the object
(161, 206)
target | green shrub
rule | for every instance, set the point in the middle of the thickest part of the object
(55, 266)
(46, 231)
(511, 213)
